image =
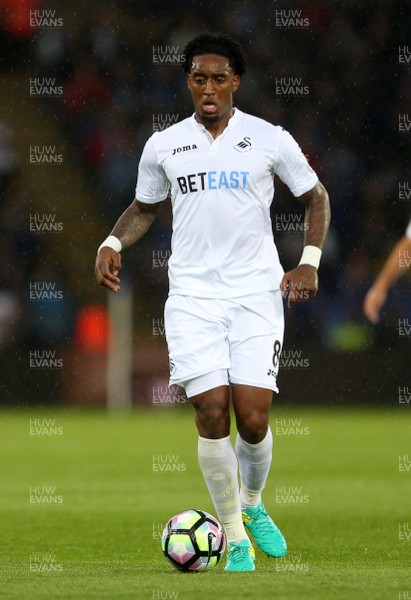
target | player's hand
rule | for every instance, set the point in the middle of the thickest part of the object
(108, 265)
(373, 302)
(300, 284)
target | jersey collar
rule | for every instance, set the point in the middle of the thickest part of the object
(231, 123)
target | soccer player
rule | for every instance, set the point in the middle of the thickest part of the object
(396, 264)
(224, 313)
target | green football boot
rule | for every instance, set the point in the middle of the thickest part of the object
(265, 532)
(241, 557)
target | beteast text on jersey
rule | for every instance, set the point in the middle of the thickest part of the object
(213, 180)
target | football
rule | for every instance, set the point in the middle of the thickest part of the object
(193, 541)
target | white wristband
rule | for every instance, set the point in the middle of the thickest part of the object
(111, 242)
(311, 256)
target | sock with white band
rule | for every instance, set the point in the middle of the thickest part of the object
(254, 461)
(219, 465)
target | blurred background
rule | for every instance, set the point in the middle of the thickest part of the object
(84, 84)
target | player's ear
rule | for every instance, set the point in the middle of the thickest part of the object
(189, 81)
(236, 82)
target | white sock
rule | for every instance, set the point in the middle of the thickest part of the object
(254, 461)
(219, 465)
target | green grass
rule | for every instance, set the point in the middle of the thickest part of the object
(344, 537)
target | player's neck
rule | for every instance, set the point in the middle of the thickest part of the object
(216, 128)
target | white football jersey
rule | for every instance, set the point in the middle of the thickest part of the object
(408, 231)
(221, 191)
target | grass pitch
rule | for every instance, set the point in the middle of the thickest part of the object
(83, 504)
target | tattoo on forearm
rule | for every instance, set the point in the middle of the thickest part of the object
(132, 225)
(317, 220)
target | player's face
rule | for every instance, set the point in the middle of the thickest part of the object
(212, 83)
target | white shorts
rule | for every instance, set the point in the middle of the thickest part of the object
(213, 342)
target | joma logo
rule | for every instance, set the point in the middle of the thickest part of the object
(184, 149)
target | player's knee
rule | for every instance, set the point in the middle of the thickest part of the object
(212, 418)
(252, 426)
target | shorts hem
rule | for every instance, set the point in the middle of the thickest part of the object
(267, 386)
(213, 295)
(182, 380)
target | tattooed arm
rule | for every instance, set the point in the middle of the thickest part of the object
(131, 226)
(301, 283)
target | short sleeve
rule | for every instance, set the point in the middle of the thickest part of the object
(292, 167)
(152, 183)
(408, 231)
